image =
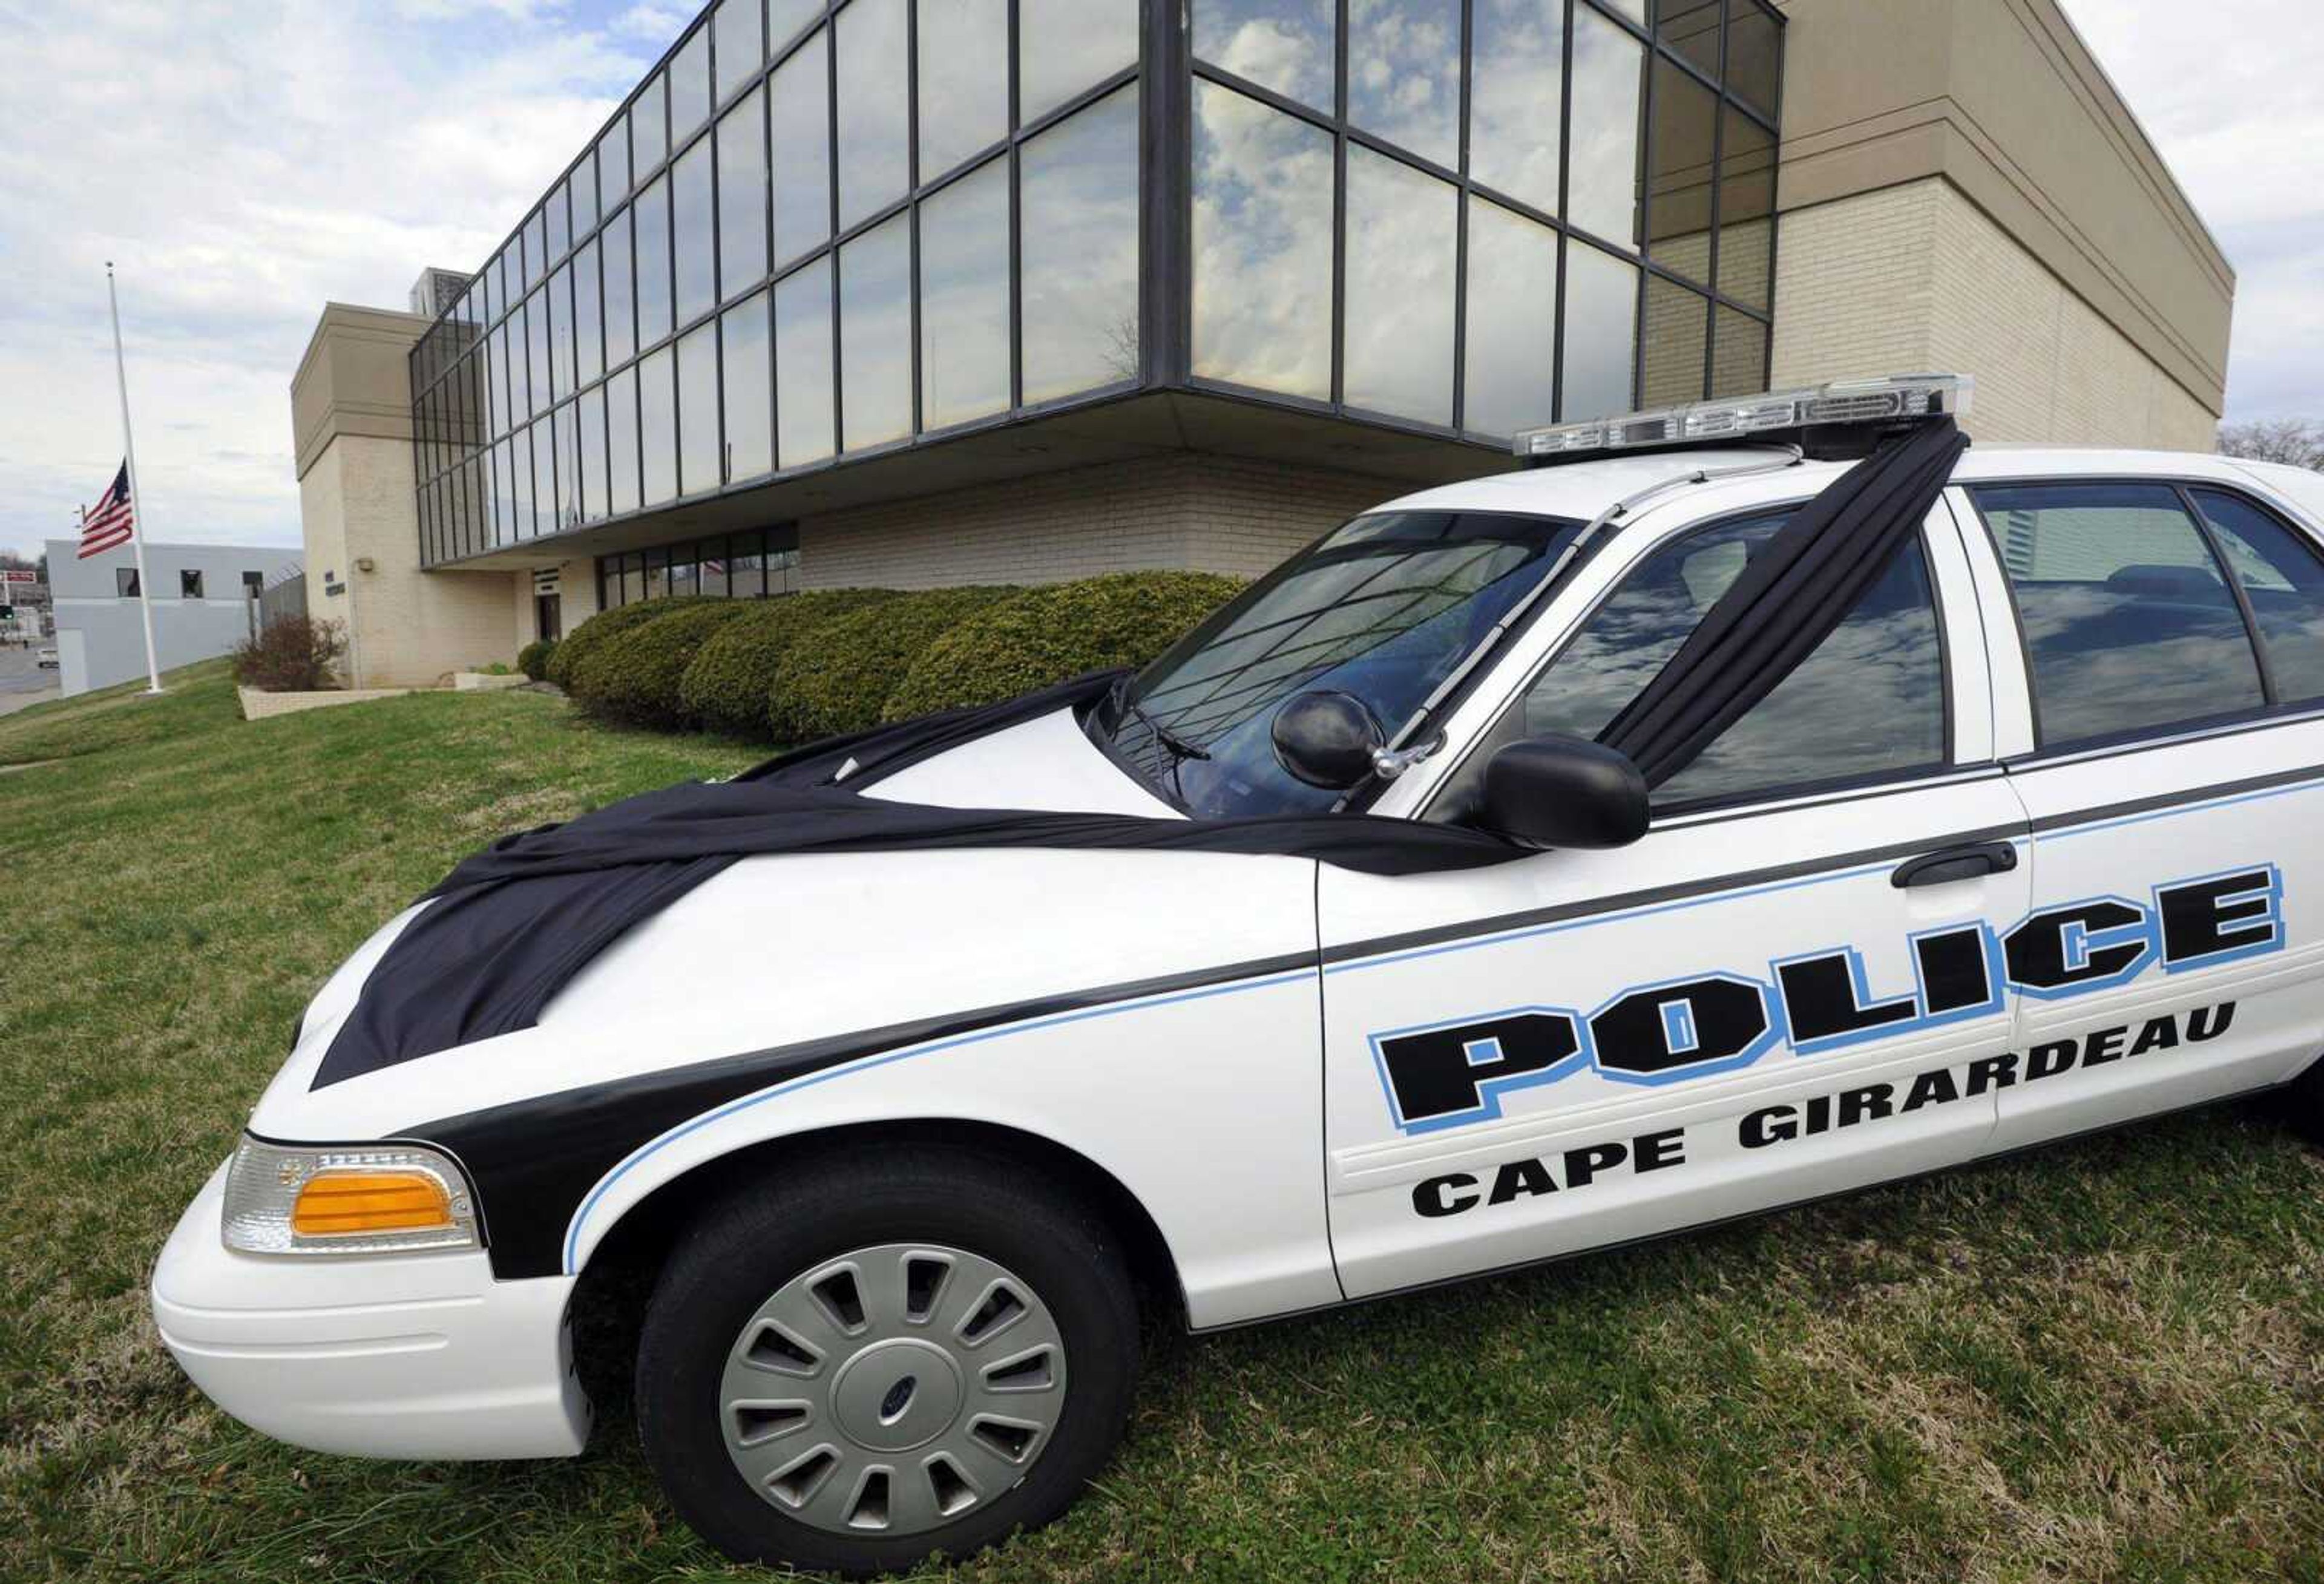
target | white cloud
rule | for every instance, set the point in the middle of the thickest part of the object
(2226, 90)
(262, 157)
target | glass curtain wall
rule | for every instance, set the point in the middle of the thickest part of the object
(1475, 216)
(817, 230)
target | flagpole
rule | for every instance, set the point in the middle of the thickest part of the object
(136, 496)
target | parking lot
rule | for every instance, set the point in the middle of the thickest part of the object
(23, 683)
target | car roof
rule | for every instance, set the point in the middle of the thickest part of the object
(1584, 489)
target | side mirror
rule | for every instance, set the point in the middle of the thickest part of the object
(1564, 792)
(1327, 740)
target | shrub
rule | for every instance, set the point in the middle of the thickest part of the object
(634, 674)
(728, 686)
(604, 627)
(533, 658)
(1046, 635)
(839, 681)
(294, 654)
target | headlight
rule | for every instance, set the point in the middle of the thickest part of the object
(345, 1198)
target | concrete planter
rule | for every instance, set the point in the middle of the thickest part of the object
(257, 706)
(486, 681)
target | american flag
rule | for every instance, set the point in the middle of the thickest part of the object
(107, 525)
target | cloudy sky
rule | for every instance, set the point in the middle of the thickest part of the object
(243, 160)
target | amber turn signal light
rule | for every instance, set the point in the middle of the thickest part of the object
(349, 1203)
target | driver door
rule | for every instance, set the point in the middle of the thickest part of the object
(1786, 989)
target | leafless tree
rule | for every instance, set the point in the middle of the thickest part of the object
(2298, 441)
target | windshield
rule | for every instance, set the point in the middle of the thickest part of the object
(1383, 608)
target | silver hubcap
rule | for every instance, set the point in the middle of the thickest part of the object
(894, 1389)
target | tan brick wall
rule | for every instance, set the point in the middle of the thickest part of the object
(576, 598)
(1180, 510)
(406, 629)
(1917, 277)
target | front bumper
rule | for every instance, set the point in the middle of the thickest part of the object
(380, 1355)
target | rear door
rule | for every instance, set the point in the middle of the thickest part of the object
(1774, 994)
(2172, 652)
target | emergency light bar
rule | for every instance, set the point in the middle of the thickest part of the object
(1851, 404)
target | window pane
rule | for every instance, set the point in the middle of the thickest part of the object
(1686, 116)
(568, 431)
(591, 407)
(585, 194)
(873, 108)
(965, 297)
(2285, 582)
(691, 198)
(521, 523)
(1738, 362)
(802, 91)
(621, 298)
(536, 336)
(657, 427)
(748, 383)
(2127, 621)
(558, 212)
(588, 317)
(1601, 309)
(1512, 322)
(1079, 224)
(634, 578)
(500, 529)
(496, 362)
(689, 87)
(1691, 27)
(1608, 69)
(803, 414)
(536, 249)
(715, 567)
(657, 571)
(652, 213)
(1678, 331)
(685, 579)
(1066, 47)
(1404, 74)
(875, 335)
(560, 334)
(1262, 236)
(742, 194)
(785, 17)
(647, 139)
(621, 441)
(1869, 700)
(1402, 230)
(1280, 44)
(1746, 207)
(697, 411)
(613, 162)
(1754, 50)
(1518, 79)
(963, 80)
(1635, 10)
(741, 27)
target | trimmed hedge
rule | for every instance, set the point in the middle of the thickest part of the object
(635, 676)
(841, 681)
(604, 627)
(731, 682)
(1046, 635)
(533, 658)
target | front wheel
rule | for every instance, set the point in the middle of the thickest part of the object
(885, 1358)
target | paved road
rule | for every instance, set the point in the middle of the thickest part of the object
(22, 682)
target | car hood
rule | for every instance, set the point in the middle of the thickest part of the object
(777, 950)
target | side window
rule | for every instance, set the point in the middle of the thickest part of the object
(2282, 580)
(1870, 700)
(2129, 623)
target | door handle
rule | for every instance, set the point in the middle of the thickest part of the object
(1956, 863)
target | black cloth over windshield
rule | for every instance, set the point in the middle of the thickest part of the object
(512, 925)
(1797, 590)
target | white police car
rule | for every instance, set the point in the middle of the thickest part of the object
(2025, 846)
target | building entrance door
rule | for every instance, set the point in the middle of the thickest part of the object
(548, 622)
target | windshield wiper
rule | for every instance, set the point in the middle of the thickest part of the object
(1168, 738)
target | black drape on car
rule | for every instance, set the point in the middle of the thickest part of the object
(1797, 589)
(512, 925)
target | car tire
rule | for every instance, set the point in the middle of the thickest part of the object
(2303, 1103)
(992, 1315)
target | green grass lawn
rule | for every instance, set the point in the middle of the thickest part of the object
(2104, 1362)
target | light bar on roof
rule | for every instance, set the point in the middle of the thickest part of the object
(1900, 398)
